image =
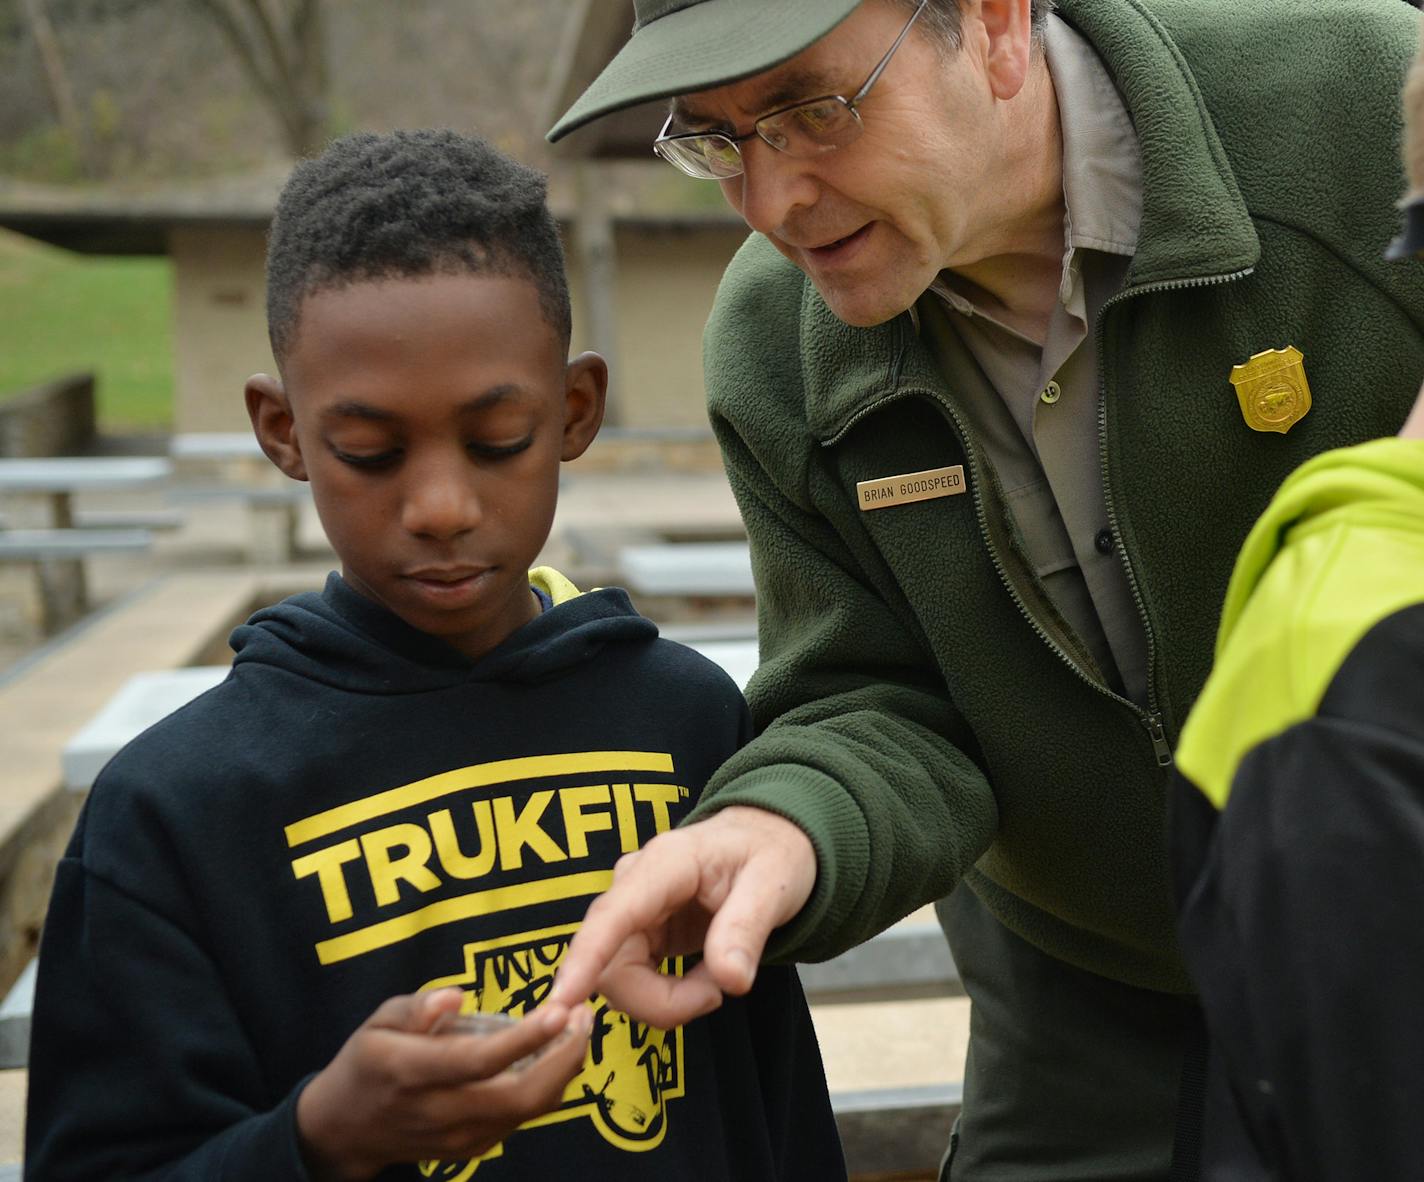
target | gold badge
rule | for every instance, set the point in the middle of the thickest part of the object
(1272, 389)
(912, 486)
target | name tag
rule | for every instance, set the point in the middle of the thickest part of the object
(909, 488)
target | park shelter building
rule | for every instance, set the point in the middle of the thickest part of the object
(642, 277)
(646, 247)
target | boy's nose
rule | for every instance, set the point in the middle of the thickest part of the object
(441, 505)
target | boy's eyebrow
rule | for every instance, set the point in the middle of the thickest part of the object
(352, 409)
(794, 86)
(492, 396)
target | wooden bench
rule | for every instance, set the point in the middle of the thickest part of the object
(737, 657)
(27, 545)
(230, 465)
(695, 569)
(15, 1013)
(141, 701)
(909, 960)
(215, 447)
(57, 557)
(155, 520)
(39, 495)
(893, 984)
(273, 514)
(59, 477)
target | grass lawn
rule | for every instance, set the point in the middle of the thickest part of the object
(61, 312)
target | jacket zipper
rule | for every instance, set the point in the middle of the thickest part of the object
(1151, 718)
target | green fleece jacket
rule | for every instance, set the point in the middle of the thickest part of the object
(925, 714)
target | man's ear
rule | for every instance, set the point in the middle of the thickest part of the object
(272, 423)
(1009, 27)
(585, 392)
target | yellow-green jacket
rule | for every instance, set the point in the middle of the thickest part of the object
(1298, 831)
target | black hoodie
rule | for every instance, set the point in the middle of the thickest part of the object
(359, 811)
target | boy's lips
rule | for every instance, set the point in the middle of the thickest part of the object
(444, 583)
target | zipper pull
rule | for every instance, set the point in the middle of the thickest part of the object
(1160, 747)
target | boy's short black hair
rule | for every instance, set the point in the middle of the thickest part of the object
(406, 204)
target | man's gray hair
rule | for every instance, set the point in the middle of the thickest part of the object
(941, 18)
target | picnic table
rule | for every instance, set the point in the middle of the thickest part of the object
(39, 494)
(232, 466)
(696, 569)
(216, 446)
(51, 482)
(142, 700)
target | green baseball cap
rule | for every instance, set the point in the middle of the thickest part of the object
(683, 46)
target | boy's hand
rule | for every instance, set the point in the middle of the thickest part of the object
(396, 1092)
(719, 886)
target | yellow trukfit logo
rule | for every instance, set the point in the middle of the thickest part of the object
(482, 841)
(630, 1072)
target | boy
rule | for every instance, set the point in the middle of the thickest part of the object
(402, 799)
(1298, 820)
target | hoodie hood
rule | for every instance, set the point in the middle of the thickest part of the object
(1339, 549)
(342, 639)
(1374, 484)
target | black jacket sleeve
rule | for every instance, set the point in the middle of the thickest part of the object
(1302, 927)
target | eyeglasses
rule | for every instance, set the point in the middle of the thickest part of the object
(803, 130)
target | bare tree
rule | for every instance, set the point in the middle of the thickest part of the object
(281, 46)
(61, 93)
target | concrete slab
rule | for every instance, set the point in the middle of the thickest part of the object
(671, 504)
(142, 700)
(15, 1012)
(687, 568)
(12, 1123)
(893, 1044)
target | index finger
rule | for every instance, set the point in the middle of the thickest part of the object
(659, 881)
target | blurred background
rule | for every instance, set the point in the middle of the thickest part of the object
(142, 143)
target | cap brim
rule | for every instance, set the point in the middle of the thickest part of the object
(701, 47)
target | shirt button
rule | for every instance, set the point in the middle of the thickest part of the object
(1051, 393)
(1104, 541)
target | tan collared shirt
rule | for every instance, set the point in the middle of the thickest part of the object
(1034, 408)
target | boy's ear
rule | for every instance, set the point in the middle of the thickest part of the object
(585, 391)
(272, 423)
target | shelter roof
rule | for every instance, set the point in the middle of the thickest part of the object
(118, 220)
(595, 30)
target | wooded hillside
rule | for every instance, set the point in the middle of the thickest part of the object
(159, 92)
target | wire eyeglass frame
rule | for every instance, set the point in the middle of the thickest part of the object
(802, 130)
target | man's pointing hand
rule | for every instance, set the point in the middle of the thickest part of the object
(719, 886)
